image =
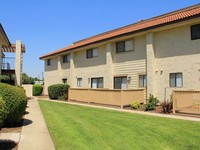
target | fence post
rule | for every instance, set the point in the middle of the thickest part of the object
(121, 96)
(173, 100)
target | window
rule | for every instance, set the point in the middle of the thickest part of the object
(92, 53)
(124, 46)
(79, 82)
(48, 62)
(97, 83)
(176, 79)
(66, 58)
(195, 32)
(120, 83)
(142, 80)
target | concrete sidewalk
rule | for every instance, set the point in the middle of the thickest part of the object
(35, 135)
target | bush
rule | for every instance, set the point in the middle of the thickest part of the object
(58, 90)
(37, 89)
(167, 106)
(135, 105)
(13, 103)
(151, 103)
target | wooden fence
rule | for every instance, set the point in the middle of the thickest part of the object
(108, 97)
(186, 101)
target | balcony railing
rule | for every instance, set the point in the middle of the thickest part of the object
(8, 63)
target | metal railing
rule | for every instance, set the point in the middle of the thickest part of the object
(8, 63)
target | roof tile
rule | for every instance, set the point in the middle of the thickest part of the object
(160, 20)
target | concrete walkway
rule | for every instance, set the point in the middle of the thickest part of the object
(129, 111)
(35, 135)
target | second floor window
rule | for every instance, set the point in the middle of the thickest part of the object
(48, 62)
(176, 79)
(195, 32)
(124, 46)
(92, 53)
(66, 58)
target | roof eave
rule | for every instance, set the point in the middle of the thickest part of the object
(2, 31)
(128, 33)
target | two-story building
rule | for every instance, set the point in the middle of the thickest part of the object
(159, 54)
(11, 65)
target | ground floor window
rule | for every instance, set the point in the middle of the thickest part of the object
(79, 82)
(97, 83)
(142, 80)
(176, 79)
(120, 82)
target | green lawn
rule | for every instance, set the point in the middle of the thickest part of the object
(77, 127)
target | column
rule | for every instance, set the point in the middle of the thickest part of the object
(109, 67)
(60, 71)
(18, 63)
(72, 81)
(150, 65)
(0, 58)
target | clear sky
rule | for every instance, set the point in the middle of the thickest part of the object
(48, 25)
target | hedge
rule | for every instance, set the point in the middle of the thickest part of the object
(37, 89)
(13, 103)
(58, 91)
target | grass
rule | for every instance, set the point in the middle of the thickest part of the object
(78, 127)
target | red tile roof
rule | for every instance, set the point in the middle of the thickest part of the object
(172, 17)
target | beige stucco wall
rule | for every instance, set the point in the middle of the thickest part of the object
(52, 74)
(131, 63)
(28, 89)
(176, 52)
(172, 51)
(92, 67)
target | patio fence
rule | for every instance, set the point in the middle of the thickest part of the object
(186, 101)
(106, 96)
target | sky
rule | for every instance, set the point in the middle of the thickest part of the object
(48, 25)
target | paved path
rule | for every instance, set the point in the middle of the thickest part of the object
(35, 135)
(129, 111)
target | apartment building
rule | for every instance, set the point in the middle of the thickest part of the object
(11, 65)
(160, 54)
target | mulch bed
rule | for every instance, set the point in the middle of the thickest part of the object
(9, 144)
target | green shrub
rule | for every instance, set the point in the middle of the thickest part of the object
(135, 105)
(167, 106)
(58, 90)
(151, 103)
(13, 104)
(37, 89)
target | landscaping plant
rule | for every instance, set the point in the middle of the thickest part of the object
(13, 103)
(37, 89)
(135, 105)
(167, 106)
(151, 103)
(58, 91)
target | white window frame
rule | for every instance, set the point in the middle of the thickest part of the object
(142, 80)
(79, 82)
(93, 52)
(66, 58)
(123, 82)
(176, 79)
(128, 45)
(95, 82)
